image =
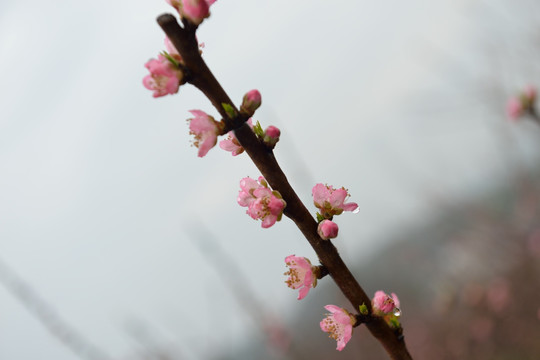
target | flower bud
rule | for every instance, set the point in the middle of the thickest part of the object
(271, 136)
(327, 229)
(195, 10)
(251, 102)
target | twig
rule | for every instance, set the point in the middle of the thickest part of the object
(201, 77)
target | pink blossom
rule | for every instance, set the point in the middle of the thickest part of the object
(271, 136)
(514, 109)
(231, 143)
(164, 76)
(384, 304)
(331, 201)
(327, 229)
(205, 129)
(339, 324)
(523, 104)
(301, 275)
(194, 10)
(262, 203)
(251, 102)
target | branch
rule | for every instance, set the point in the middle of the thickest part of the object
(201, 77)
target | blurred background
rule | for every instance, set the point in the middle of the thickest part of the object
(118, 242)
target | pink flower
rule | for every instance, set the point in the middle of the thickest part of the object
(384, 304)
(327, 229)
(231, 143)
(262, 203)
(514, 109)
(339, 324)
(271, 136)
(331, 201)
(205, 129)
(301, 275)
(523, 104)
(194, 10)
(164, 76)
(251, 102)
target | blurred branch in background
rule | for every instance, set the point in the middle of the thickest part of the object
(49, 318)
(278, 338)
(150, 345)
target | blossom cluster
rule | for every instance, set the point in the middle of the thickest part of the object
(330, 202)
(339, 323)
(261, 201)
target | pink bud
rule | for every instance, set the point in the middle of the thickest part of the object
(195, 10)
(384, 304)
(251, 102)
(271, 136)
(327, 229)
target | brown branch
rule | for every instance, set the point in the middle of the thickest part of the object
(202, 78)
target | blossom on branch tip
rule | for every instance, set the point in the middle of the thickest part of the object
(339, 324)
(327, 229)
(331, 201)
(193, 10)
(231, 143)
(164, 78)
(383, 304)
(205, 130)
(262, 203)
(302, 275)
(251, 102)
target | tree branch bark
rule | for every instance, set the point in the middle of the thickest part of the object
(201, 77)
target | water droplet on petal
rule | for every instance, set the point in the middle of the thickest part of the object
(397, 311)
(356, 211)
